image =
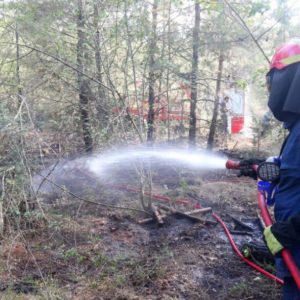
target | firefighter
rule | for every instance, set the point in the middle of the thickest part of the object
(225, 111)
(283, 80)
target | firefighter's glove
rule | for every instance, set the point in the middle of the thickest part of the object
(272, 243)
(246, 167)
(247, 172)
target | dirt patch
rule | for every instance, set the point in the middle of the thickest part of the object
(88, 252)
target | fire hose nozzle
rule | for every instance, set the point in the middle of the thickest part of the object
(233, 165)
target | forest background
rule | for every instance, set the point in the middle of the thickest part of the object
(83, 76)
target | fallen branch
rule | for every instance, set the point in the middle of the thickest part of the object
(157, 216)
(183, 214)
(145, 221)
(199, 211)
(240, 232)
(240, 223)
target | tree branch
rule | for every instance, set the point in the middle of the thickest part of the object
(245, 26)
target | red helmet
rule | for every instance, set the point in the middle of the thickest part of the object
(285, 55)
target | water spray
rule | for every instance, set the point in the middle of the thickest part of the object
(155, 157)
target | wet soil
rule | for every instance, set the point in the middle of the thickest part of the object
(86, 251)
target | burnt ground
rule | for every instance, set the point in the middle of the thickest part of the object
(84, 251)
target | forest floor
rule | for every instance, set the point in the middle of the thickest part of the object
(85, 251)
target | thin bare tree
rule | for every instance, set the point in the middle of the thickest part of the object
(83, 83)
(194, 76)
(213, 124)
(152, 75)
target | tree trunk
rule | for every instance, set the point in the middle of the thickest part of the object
(101, 104)
(83, 84)
(151, 97)
(139, 106)
(213, 125)
(194, 77)
(168, 69)
(18, 78)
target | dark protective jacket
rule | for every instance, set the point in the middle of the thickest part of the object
(287, 199)
(284, 103)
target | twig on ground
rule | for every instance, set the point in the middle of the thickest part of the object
(94, 202)
(199, 211)
(240, 232)
(46, 177)
(145, 221)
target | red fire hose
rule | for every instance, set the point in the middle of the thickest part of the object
(197, 205)
(286, 255)
(247, 261)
